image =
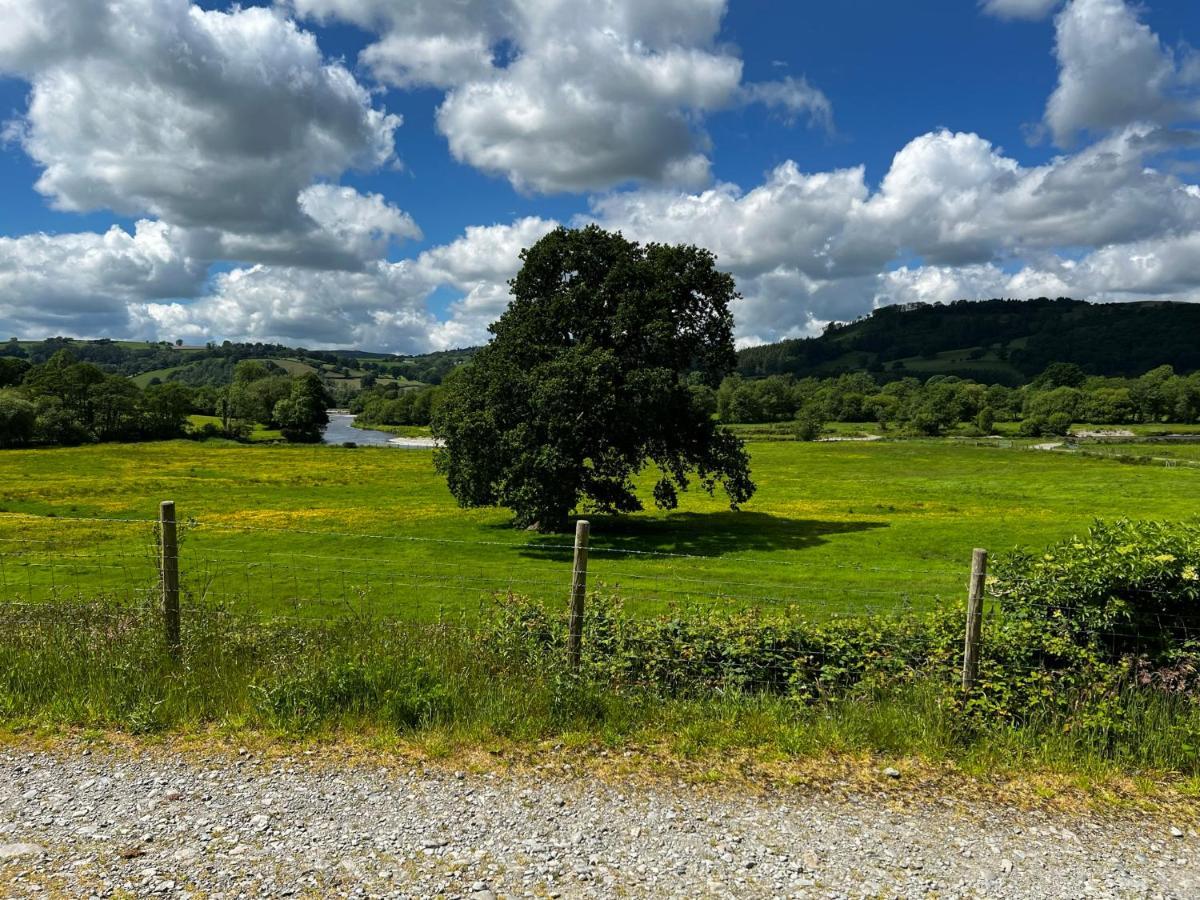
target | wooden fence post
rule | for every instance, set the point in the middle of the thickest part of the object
(578, 591)
(970, 672)
(170, 573)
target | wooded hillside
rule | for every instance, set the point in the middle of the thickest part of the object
(994, 341)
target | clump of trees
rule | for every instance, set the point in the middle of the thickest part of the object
(1060, 396)
(66, 401)
(263, 393)
(301, 415)
(395, 404)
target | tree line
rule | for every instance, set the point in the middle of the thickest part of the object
(1060, 396)
(394, 404)
(66, 401)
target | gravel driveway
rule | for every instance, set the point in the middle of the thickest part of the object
(78, 823)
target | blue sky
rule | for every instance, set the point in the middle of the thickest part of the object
(835, 156)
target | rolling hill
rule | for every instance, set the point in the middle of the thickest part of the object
(993, 341)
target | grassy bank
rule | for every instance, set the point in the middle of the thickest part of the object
(400, 430)
(447, 688)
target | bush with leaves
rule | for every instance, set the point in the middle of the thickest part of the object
(809, 424)
(1075, 630)
(695, 650)
(1087, 620)
(1127, 586)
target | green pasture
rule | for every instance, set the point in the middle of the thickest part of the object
(1146, 450)
(258, 433)
(143, 380)
(774, 431)
(1141, 429)
(316, 530)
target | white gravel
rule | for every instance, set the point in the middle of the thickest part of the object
(82, 824)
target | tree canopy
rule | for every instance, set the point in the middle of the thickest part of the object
(302, 414)
(589, 378)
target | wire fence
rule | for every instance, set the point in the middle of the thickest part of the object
(276, 569)
(174, 567)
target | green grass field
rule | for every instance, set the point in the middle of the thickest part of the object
(258, 433)
(315, 529)
(143, 380)
(775, 431)
(1160, 451)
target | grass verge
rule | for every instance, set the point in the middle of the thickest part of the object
(448, 691)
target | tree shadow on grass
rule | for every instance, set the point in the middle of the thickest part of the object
(698, 534)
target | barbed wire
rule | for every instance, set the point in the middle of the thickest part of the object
(523, 546)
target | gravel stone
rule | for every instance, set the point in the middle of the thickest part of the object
(68, 822)
(16, 851)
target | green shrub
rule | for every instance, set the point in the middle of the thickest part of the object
(809, 424)
(697, 650)
(985, 421)
(1125, 586)
(1091, 616)
(1035, 426)
(1058, 423)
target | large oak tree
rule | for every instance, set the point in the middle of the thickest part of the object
(589, 378)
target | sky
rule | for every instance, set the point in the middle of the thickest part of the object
(365, 173)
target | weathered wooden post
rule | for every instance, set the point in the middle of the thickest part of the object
(578, 592)
(170, 574)
(970, 672)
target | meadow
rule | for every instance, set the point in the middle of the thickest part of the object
(316, 531)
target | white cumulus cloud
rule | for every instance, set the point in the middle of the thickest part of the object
(949, 218)
(213, 121)
(1114, 71)
(556, 95)
(85, 283)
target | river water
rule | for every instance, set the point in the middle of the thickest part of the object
(341, 429)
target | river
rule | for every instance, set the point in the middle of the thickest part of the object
(341, 429)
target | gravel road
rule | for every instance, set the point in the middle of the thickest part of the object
(77, 824)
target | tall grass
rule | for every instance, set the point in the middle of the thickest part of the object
(105, 665)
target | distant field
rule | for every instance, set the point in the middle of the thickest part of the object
(773, 431)
(143, 380)
(291, 366)
(258, 433)
(1156, 450)
(307, 529)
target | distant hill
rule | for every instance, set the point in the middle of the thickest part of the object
(993, 341)
(213, 364)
